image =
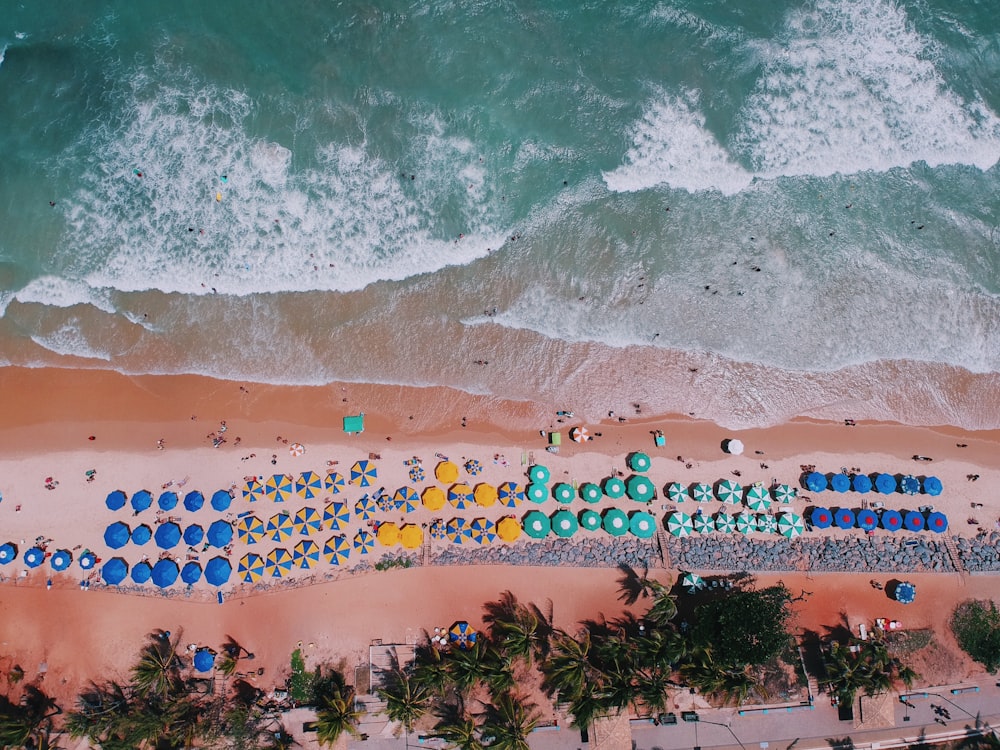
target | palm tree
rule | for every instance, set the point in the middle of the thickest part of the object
(430, 669)
(523, 630)
(508, 721)
(157, 673)
(27, 723)
(567, 671)
(664, 606)
(405, 699)
(335, 715)
(456, 726)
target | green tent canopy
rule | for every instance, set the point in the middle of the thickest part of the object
(354, 424)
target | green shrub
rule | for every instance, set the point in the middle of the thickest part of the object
(300, 681)
(387, 563)
(976, 625)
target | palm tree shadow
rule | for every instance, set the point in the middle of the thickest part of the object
(631, 585)
(842, 743)
(841, 631)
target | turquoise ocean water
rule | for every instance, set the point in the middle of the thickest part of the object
(747, 211)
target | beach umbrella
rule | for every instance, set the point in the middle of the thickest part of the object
(336, 550)
(280, 527)
(563, 493)
(510, 494)
(913, 521)
(433, 498)
(508, 529)
(937, 522)
(783, 493)
(485, 494)
(141, 572)
(61, 559)
(693, 582)
(538, 474)
(411, 536)
(909, 485)
(457, 531)
(278, 488)
(141, 500)
(193, 501)
(579, 434)
(474, 467)
(815, 482)
(640, 488)
(417, 474)
(204, 660)
(221, 500)
(892, 520)
(766, 523)
(484, 531)
(840, 482)
(446, 472)
(116, 500)
(702, 493)
(193, 535)
(642, 524)
(8, 552)
(861, 483)
(933, 486)
(253, 490)
(217, 571)
(334, 482)
(364, 542)
(746, 522)
(591, 492)
(537, 524)
(113, 572)
(191, 573)
(365, 507)
(590, 520)
(844, 518)
(734, 447)
(615, 522)
(251, 567)
(821, 517)
(406, 499)
(885, 484)
(117, 535)
(639, 461)
(703, 523)
(724, 522)
(278, 562)
(296, 449)
(460, 495)
(165, 573)
(167, 501)
(336, 516)
(462, 635)
(167, 535)
(905, 592)
(537, 493)
(790, 525)
(867, 520)
(384, 502)
(250, 529)
(309, 485)
(307, 520)
(387, 534)
(219, 534)
(564, 523)
(141, 534)
(758, 498)
(87, 560)
(614, 487)
(680, 524)
(34, 557)
(729, 492)
(305, 553)
(677, 492)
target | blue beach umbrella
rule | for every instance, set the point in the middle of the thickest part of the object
(891, 520)
(141, 572)
(364, 542)
(61, 560)
(937, 522)
(250, 529)
(34, 557)
(280, 526)
(816, 482)
(460, 495)
(141, 500)
(8, 552)
(191, 572)
(821, 517)
(204, 660)
(335, 482)
(305, 553)
(193, 535)
(905, 593)
(87, 560)
(219, 534)
(141, 534)
(867, 520)
(417, 474)
(933, 486)
(278, 488)
(885, 484)
(336, 516)
(844, 518)
(365, 507)
(167, 500)
(307, 520)
(116, 500)
(537, 493)
(363, 473)
(913, 521)
(910, 485)
(251, 567)
(406, 499)
(510, 494)
(278, 562)
(253, 490)
(862, 483)
(309, 485)
(167, 535)
(114, 571)
(336, 550)
(165, 573)
(462, 635)
(221, 500)
(117, 535)
(217, 571)
(840, 482)
(193, 501)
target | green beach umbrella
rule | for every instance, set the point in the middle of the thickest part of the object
(563, 493)
(730, 492)
(758, 498)
(790, 525)
(746, 523)
(591, 492)
(536, 524)
(642, 524)
(679, 524)
(640, 488)
(702, 493)
(590, 520)
(677, 492)
(783, 493)
(767, 524)
(537, 493)
(538, 474)
(725, 522)
(639, 462)
(615, 522)
(564, 523)
(692, 582)
(703, 523)
(614, 487)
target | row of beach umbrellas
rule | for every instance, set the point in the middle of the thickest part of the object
(165, 573)
(888, 519)
(884, 484)
(168, 534)
(59, 560)
(756, 496)
(281, 488)
(192, 501)
(563, 523)
(787, 524)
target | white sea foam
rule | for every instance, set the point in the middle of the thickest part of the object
(61, 292)
(68, 340)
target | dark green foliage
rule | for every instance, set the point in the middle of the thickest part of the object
(745, 627)
(976, 625)
(298, 683)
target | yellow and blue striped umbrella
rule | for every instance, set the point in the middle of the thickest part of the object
(250, 529)
(280, 526)
(483, 531)
(305, 553)
(511, 494)
(309, 484)
(457, 531)
(279, 561)
(336, 550)
(460, 495)
(363, 473)
(251, 567)
(336, 516)
(416, 473)
(306, 520)
(406, 499)
(365, 507)
(279, 488)
(334, 482)
(253, 490)
(364, 542)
